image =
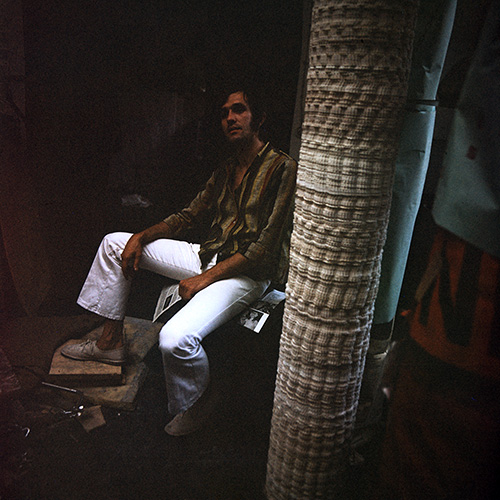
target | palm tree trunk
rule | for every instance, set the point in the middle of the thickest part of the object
(359, 59)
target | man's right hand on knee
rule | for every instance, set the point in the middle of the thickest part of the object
(131, 256)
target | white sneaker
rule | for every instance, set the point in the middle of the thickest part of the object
(88, 351)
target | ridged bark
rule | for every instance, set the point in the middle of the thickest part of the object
(359, 59)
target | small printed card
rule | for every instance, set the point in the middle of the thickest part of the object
(256, 315)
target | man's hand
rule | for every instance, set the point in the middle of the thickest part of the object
(131, 256)
(190, 286)
(132, 252)
(228, 268)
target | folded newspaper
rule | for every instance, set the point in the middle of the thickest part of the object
(168, 297)
(252, 318)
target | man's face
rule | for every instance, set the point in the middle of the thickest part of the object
(236, 119)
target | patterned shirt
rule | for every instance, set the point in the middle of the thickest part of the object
(254, 220)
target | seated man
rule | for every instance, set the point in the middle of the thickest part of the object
(250, 202)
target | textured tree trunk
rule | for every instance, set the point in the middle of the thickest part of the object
(359, 59)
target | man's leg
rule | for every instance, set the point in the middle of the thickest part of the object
(112, 335)
(106, 290)
(184, 359)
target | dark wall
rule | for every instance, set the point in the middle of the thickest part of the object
(119, 101)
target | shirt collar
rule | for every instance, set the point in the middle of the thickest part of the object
(263, 150)
(256, 161)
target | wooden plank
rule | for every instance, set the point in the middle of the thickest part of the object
(65, 371)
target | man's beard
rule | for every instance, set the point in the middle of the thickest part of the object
(240, 143)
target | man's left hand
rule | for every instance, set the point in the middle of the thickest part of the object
(191, 286)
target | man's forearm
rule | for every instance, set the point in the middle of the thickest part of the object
(132, 252)
(228, 268)
(160, 230)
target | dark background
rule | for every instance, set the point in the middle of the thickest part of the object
(119, 100)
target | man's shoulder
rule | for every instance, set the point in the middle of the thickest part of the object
(273, 153)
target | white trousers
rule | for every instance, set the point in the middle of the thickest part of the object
(106, 290)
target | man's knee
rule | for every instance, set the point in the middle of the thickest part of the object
(177, 344)
(116, 238)
(113, 243)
